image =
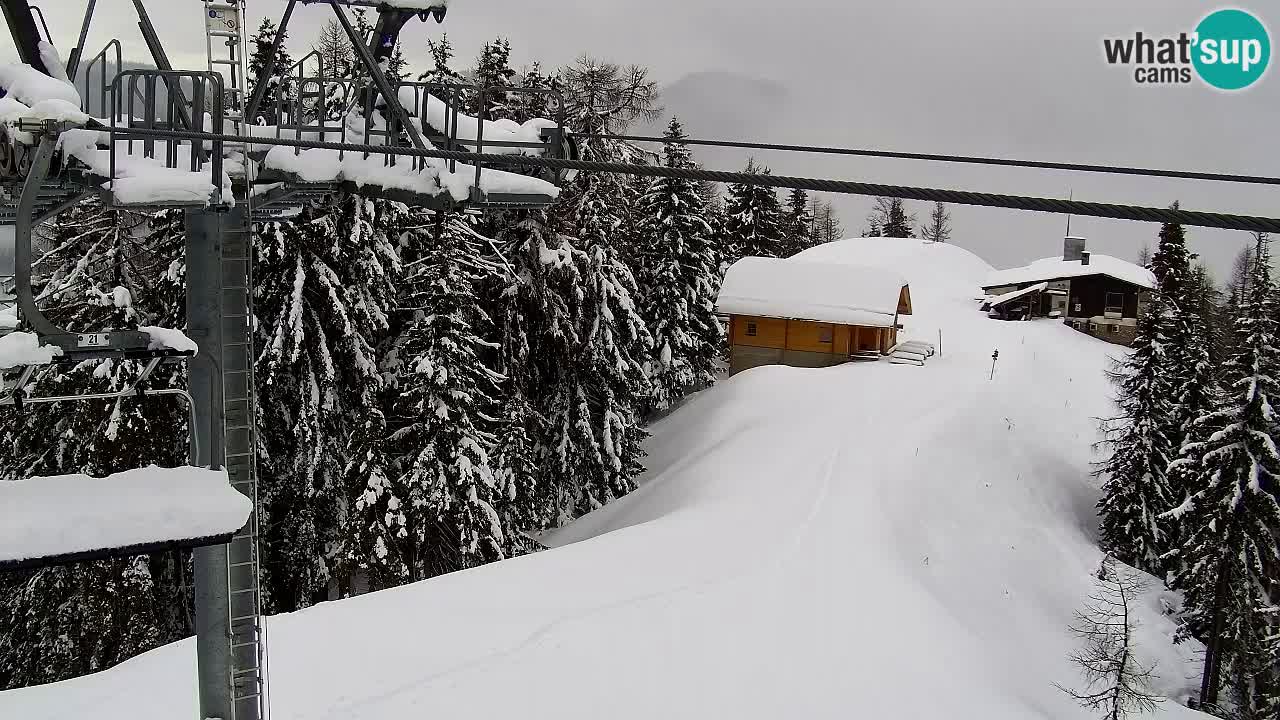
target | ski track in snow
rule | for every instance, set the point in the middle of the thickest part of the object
(508, 654)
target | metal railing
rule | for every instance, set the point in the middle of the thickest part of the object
(188, 101)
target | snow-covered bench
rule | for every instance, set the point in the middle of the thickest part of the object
(70, 518)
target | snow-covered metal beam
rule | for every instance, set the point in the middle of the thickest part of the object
(72, 518)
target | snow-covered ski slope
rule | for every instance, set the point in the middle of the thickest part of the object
(872, 540)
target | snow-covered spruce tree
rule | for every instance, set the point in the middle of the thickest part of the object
(105, 269)
(799, 222)
(278, 89)
(526, 504)
(574, 344)
(1143, 438)
(678, 275)
(755, 225)
(525, 106)
(437, 508)
(441, 62)
(1116, 682)
(1228, 556)
(493, 72)
(323, 290)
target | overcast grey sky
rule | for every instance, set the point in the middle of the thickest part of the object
(1018, 78)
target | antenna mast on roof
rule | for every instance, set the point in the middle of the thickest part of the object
(1071, 196)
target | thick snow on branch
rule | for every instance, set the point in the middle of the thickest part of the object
(23, 348)
(30, 86)
(67, 514)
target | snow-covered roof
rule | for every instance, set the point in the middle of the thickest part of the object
(1002, 299)
(826, 292)
(1056, 268)
(70, 515)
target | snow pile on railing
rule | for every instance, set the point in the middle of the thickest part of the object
(141, 180)
(437, 114)
(22, 348)
(169, 339)
(77, 514)
(323, 166)
(29, 86)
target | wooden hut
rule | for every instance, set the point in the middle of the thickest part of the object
(803, 314)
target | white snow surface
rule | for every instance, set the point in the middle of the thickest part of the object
(8, 318)
(1056, 268)
(28, 85)
(23, 348)
(169, 339)
(869, 540)
(50, 516)
(829, 292)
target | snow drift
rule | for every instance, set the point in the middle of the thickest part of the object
(868, 540)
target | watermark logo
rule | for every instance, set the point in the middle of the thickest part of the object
(1229, 49)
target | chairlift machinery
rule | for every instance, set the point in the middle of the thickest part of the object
(154, 126)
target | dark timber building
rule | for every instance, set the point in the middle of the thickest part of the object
(1096, 294)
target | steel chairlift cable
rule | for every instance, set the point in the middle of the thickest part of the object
(1225, 221)
(964, 159)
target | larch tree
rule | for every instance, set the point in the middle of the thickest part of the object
(755, 222)
(334, 48)
(1117, 684)
(678, 276)
(938, 229)
(825, 226)
(1228, 555)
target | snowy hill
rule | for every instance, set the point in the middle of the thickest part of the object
(866, 540)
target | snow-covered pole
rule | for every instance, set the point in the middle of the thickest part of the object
(994, 357)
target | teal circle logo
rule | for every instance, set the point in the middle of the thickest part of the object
(1232, 49)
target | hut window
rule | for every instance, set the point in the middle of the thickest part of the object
(751, 329)
(1115, 302)
(826, 335)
